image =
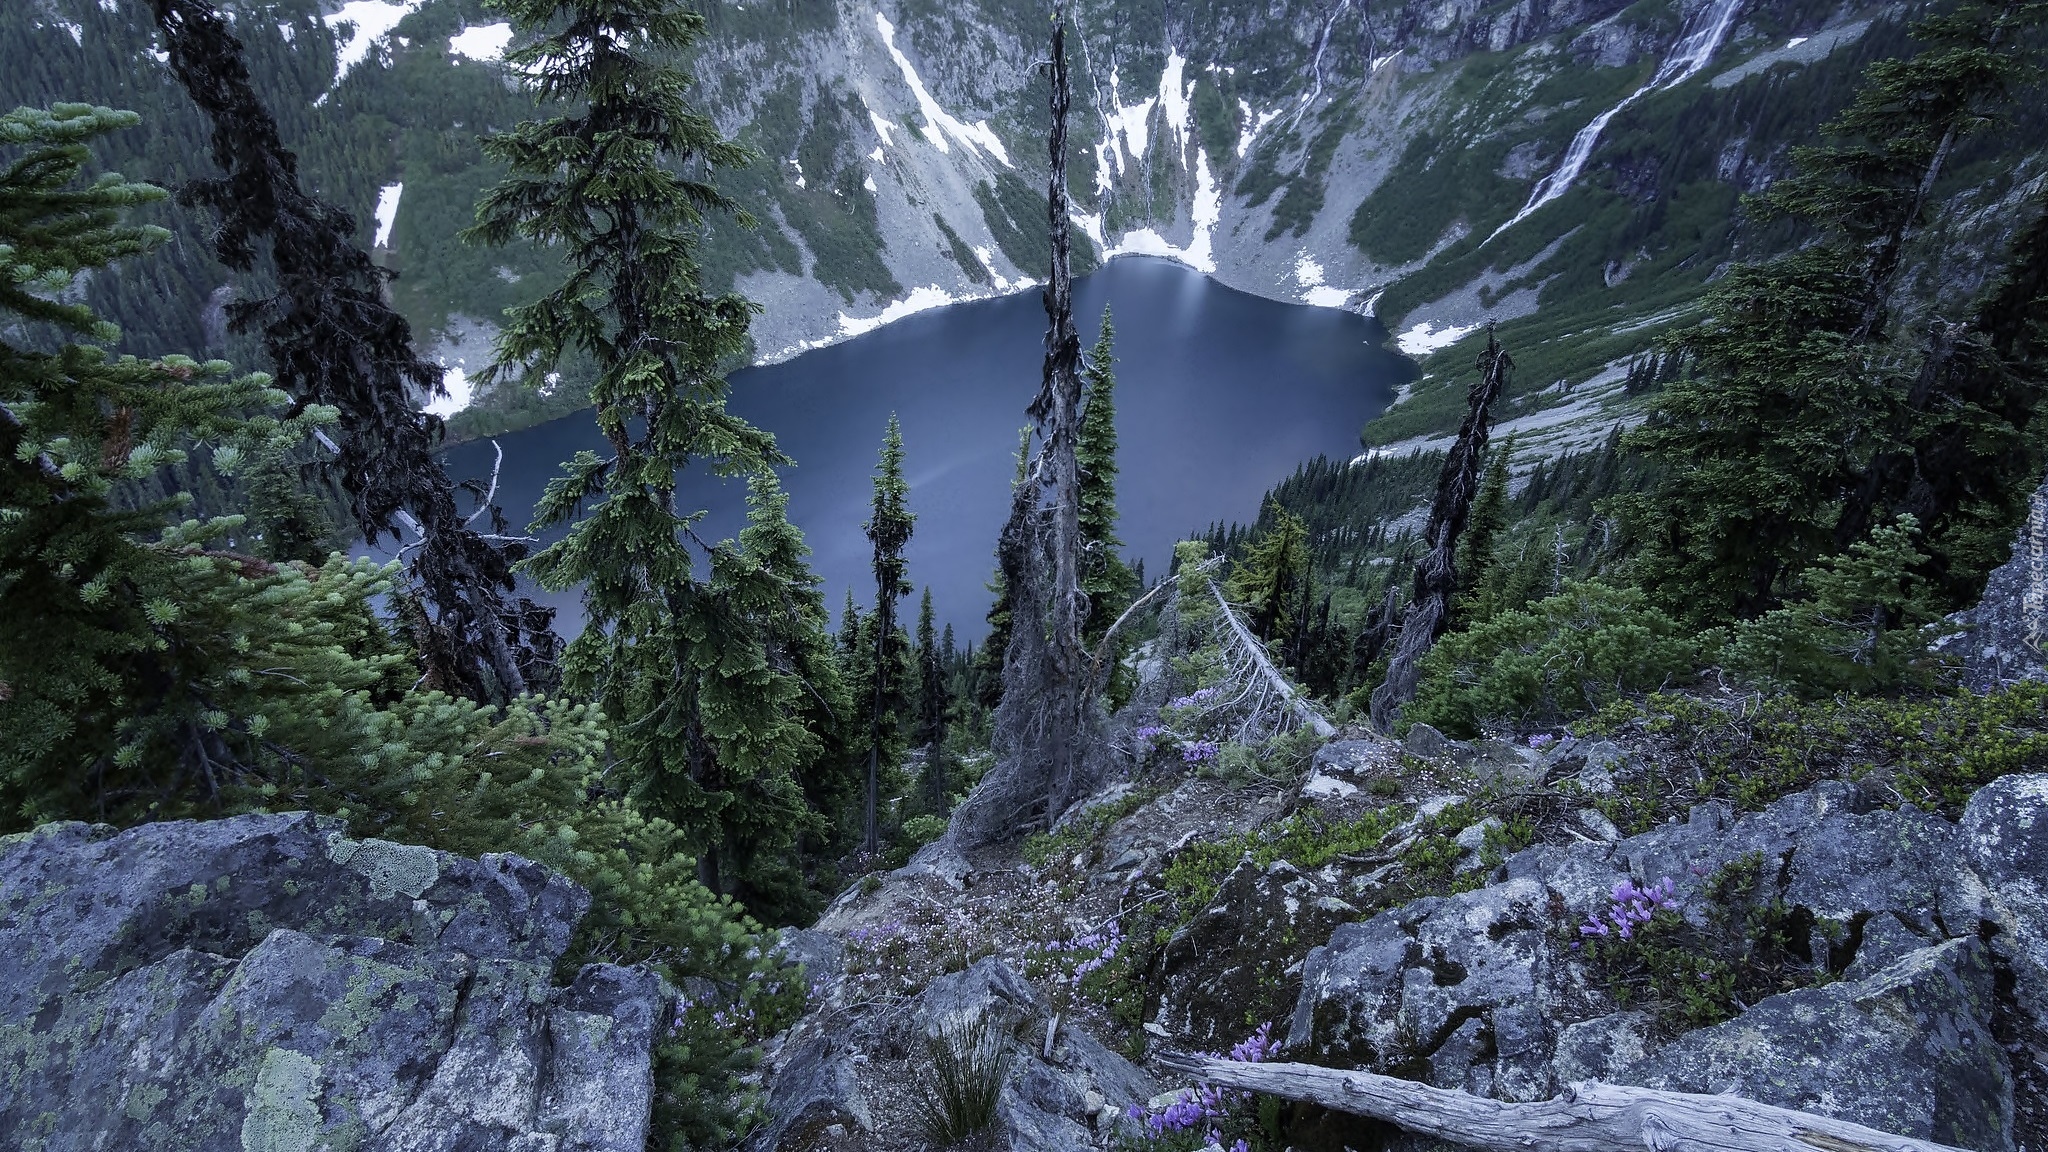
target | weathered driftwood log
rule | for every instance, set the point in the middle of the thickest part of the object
(1589, 1117)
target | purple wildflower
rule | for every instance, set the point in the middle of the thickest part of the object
(1542, 740)
(1198, 751)
(1631, 907)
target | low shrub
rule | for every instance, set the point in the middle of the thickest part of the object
(956, 1100)
(1563, 656)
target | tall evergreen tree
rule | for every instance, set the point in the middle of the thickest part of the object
(705, 726)
(1272, 577)
(1777, 442)
(1489, 516)
(934, 701)
(888, 529)
(990, 668)
(1105, 577)
(335, 340)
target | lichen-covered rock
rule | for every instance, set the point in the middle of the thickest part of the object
(1908, 1050)
(1242, 955)
(1410, 988)
(266, 982)
(1932, 932)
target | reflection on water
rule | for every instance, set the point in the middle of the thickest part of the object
(1219, 395)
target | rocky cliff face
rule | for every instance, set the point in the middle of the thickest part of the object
(267, 983)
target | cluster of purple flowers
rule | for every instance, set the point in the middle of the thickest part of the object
(1096, 948)
(883, 931)
(1149, 733)
(1205, 1104)
(1198, 751)
(1194, 699)
(1631, 908)
(1542, 740)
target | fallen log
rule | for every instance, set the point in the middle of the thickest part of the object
(1588, 1117)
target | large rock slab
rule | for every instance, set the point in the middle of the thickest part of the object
(1908, 1050)
(1242, 954)
(1929, 938)
(266, 982)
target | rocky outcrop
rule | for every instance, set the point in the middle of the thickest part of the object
(1924, 938)
(266, 982)
(846, 1077)
(2000, 641)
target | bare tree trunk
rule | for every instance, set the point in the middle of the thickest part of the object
(1043, 722)
(1436, 575)
(1589, 1117)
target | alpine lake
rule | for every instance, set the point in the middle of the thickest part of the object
(1219, 395)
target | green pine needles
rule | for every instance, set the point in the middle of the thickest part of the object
(676, 647)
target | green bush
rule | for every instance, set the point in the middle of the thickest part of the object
(1563, 656)
(957, 1099)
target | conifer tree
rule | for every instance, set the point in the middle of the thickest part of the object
(888, 529)
(934, 701)
(334, 340)
(706, 728)
(990, 669)
(1105, 577)
(1272, 577)
(1775, 440)
(1488, 517)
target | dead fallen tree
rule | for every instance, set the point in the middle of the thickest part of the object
(1589, 1117)
(1274, 692)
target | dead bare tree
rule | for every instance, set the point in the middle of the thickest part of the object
(1436, 575)
(1047, 715)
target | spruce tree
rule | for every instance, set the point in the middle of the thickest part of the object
(934, 701)
(705, 726)
(1272, 577)
(888, 529)
(989, 669)
(1489, 516)
(1778, 445)
(1105, 577)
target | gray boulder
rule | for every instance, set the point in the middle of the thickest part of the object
(1242, 954)
(266, 982)
(1932, 931)
(1908, 1050)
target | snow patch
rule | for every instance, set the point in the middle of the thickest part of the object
(1309, 274)
(799, 173)
(387, 212)
(1130, 124)
(1379, 62)
(1208, 210)
(920, 300)
(938, 124)
(485, 42)
(286, 31)
(882, 128)
(1425, 337)
(1172, 97)
(1254, 123)
(1795, 42)
(77, 33)
(1090, 225)
(456, 381)
(877, 154)
(868, 183)
(368, 21)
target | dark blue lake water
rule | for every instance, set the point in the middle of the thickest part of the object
(1220, 394)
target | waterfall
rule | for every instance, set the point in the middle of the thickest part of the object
(1692, 52)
